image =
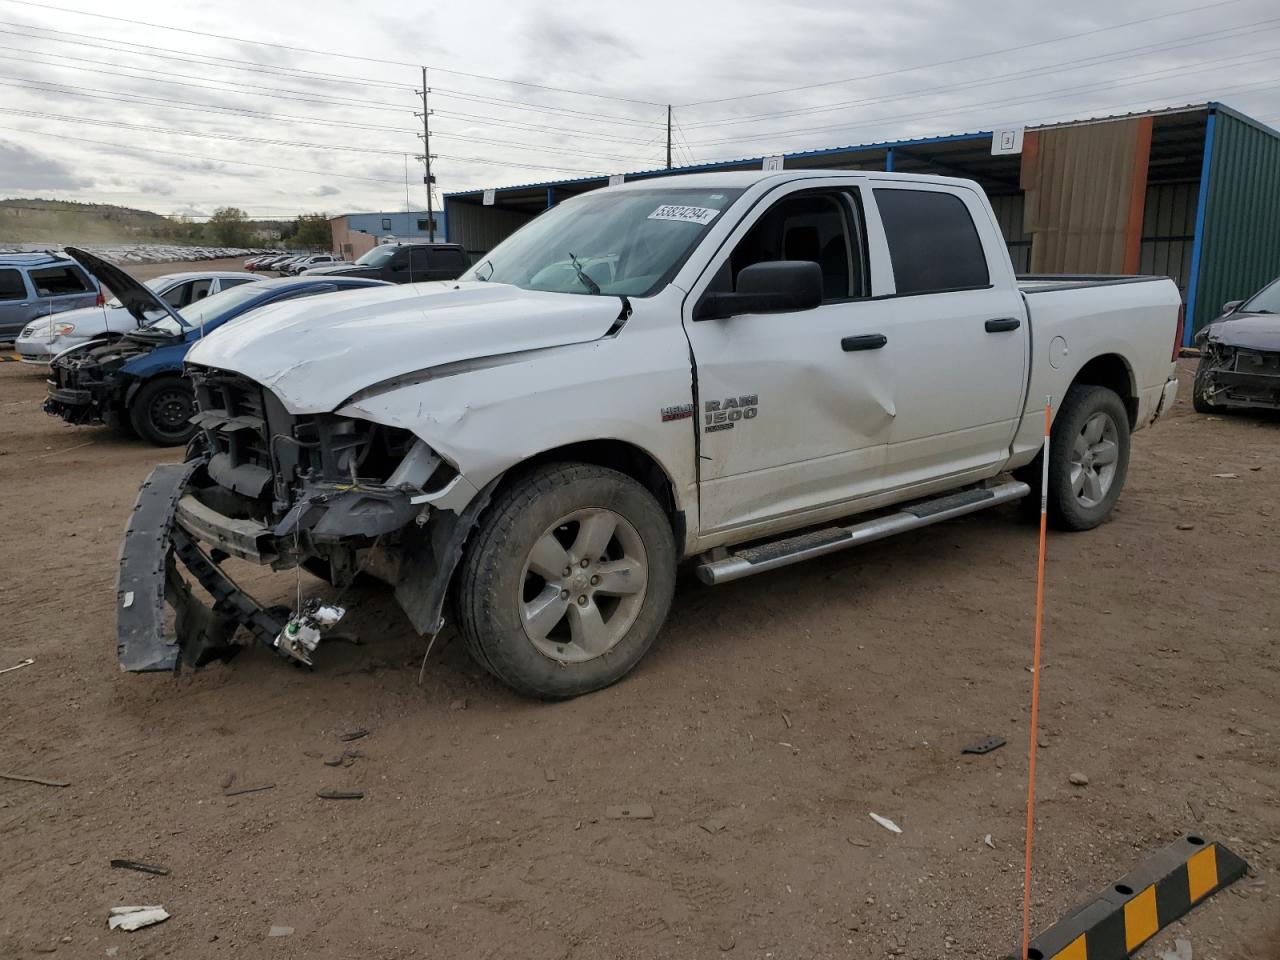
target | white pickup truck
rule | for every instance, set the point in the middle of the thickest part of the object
(743, 370)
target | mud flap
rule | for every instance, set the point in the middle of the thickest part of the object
(149, 576)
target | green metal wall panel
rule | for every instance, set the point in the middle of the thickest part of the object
(1241, 239)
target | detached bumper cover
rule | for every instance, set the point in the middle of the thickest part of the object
(149, 576)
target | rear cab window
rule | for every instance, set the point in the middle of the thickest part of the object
(934, 245)
(11, 285)
(59, 281)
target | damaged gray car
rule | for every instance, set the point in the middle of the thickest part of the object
(1240, 356)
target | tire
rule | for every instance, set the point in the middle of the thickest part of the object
(1199, 400)
(161, 409)
(1087, 471)
(596, 615)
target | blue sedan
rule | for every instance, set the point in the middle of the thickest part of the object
(135, 384)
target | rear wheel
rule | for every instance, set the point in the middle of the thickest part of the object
(567, 580)
(162, 409)
(1088, 457)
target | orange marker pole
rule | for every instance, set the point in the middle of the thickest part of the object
(1035, 684)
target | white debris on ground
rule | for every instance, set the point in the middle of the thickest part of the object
(886, 823)
(135, 918)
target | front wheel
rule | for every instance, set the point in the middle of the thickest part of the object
(1088, 457)
(1200, 391)
(161, 411)
(567, 580)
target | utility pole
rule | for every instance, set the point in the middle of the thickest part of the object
(668, 136)
(428, 179)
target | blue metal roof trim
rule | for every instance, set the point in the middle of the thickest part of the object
(721, 164)
(875, 145)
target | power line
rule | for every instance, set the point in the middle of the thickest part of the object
(168, 79)
(144, 152)
(218, 110)
(1057, 93)
(1065, 66)
(166, 53)
(331, 53)
(954, 60)
(328, 101)
(284, 143)
(1041, 120)
(230, 63)
(168, 103)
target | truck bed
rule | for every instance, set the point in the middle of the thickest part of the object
(1042, 282)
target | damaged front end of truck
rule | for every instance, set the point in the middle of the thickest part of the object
(337, 496)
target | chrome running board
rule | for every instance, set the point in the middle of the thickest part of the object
(746, 561)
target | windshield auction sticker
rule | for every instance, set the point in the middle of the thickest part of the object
(676, 211)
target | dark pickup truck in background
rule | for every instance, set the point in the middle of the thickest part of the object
(403, 263)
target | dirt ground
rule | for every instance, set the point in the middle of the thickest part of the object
(776, 714)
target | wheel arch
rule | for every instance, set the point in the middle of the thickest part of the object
(1112, 371)
(621, 455)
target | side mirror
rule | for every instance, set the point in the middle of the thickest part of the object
(778, 286)
(1231, 306)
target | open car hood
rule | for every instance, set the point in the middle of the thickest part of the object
(133, 295)
(315, 353)
(1251, 331)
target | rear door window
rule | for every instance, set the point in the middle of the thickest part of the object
(226, 283)
(449, 258)
(933, 243)
(59, 281)
(11, 285)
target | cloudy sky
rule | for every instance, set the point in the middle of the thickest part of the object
(290, 107)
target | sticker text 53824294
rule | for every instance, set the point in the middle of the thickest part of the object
(678, 211)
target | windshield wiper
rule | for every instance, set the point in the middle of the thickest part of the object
(582, 275)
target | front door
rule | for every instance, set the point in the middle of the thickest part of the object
(794, 409)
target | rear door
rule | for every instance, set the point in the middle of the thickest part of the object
(447, 263)
(17, 306)
(958, 339)
(793, 409)
(63, 286)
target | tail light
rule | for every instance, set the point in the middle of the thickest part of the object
(1182, 326)
(100, 300)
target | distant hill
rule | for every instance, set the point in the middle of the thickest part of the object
(72, 222)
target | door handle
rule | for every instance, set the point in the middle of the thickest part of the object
(867, 341)
(1003, 324)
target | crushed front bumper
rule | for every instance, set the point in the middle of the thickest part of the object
(149, 576)
(173, 528)
(1242, 378)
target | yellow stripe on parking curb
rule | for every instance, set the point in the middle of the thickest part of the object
(1124, 916)
(1140, 919)
(1202, 873)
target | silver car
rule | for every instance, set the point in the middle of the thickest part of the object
(40, 341)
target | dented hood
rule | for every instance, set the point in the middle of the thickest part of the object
(1250, 331)
(314, 353)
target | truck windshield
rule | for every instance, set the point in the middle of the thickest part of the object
(626, 243)
(377, 256)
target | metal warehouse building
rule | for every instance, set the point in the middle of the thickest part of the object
(1192, 192)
